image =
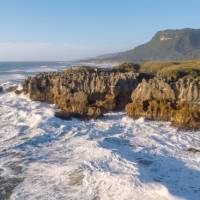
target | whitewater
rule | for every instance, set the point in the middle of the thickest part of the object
(111, 158)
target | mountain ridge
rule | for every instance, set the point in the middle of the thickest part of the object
(165, 45)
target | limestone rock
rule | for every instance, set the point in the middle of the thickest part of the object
(84, 91)
(154, 89)
(175, 101)
(188, 89)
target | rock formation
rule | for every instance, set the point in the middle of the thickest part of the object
(1, 89)
(88, 92)
(167, 100)
(84, 91)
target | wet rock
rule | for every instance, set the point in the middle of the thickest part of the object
(11, 88)
(193, 150)
(7, 185)
(145, 162)
(151, 109)
(1, 89)
(187, 116)
(62, 115)
(18, 91)
(14, 89)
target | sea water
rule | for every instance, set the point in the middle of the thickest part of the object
(111, 158)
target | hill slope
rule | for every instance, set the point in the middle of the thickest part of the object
(180, 44)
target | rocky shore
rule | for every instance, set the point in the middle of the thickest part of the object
(167, 100)
(88, 92)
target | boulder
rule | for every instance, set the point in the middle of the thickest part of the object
(14, 89)
(1, 89)
(11, 88)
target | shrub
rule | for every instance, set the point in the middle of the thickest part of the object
(169, 69)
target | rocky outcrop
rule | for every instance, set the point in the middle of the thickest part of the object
(88, 92)
(15, 89)
(161, 99)
(188, 89)
(154, 89)
(84, 91)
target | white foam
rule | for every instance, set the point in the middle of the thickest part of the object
(6, 77)
(110, 158)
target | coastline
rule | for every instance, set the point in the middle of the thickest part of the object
(89, 92)
(140, 158)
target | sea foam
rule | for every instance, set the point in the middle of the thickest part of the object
(113, 157)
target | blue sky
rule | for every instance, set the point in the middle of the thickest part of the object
(71, 29)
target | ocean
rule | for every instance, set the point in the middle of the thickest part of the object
(112, 158)
(16, 72)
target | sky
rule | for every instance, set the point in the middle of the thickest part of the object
(62, 30)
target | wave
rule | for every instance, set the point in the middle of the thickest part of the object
(115, 157)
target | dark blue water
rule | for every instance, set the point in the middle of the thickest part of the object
(18, 71)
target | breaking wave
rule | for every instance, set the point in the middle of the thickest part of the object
(115, 157)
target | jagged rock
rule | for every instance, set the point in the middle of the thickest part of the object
(84, 91)
(154, 89)
(187, 116)
(158, 99)
(151, 109)
(188, 89)
(193, 150)
(14, 89)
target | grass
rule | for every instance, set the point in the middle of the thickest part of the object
(80, 69)
(161, 68)
(169, 69)
(125, 67)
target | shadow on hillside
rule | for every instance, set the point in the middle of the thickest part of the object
(179, 179)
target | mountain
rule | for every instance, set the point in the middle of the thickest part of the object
(182, 44)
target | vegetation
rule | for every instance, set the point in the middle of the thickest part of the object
(80, 69)
(125, 67)
(168, 69)
(161, 68)
(180, 46)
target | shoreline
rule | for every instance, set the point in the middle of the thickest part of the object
(89, 92)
